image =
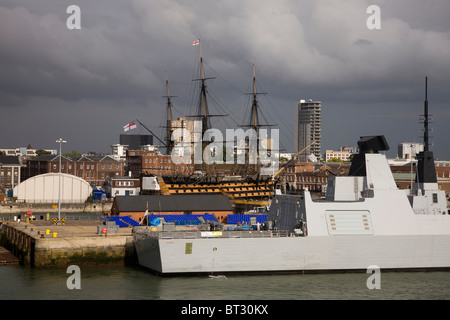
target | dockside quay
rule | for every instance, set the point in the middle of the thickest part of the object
(41, 244)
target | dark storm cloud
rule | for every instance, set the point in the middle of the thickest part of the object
(88, 83)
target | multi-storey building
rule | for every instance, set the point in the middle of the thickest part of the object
(153, 162)
(136, 141)
(119, 151)
(343, 154)
(94, 169)
(185, 129)
(308, 128)
(408, 150)
(26, 152)
(125, 186)
(299, 176)
(10, 174)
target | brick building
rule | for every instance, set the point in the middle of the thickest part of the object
(125, 186)
(95, 169)
(152, 162)
(10, 173)
(298, 176)
(404, 174)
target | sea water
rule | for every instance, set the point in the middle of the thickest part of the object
(136, 283)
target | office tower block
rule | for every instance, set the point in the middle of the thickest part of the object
(308, 128)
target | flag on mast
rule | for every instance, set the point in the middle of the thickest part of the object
(130, 126)
(196, 43)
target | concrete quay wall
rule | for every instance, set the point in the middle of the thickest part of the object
(20, 208)
(64, 246)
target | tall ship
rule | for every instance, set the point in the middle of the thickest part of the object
(242, 183)
(363, 221)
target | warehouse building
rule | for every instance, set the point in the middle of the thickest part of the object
(44, 188)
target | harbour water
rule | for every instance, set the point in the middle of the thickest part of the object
(136, 283)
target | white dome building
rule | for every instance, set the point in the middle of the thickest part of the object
(44, 188)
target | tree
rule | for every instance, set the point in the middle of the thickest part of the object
(41, 152)
(72, 154)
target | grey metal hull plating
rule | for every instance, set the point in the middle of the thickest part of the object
(292, 254)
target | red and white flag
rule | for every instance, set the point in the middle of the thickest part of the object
(196, 43)
(130, 126)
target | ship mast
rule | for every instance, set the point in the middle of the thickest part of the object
(426, 120)
(202, 111)
(426, 171)
(169, 104)
(254, 114)
(169, 142)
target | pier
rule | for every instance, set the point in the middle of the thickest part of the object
(41, 244)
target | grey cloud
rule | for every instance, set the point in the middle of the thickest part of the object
(113, 68)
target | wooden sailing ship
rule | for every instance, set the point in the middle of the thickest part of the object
(242, 183)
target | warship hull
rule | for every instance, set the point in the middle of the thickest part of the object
(275, 254)
(364, 221)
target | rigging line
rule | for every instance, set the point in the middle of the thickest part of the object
(178, 110)
(222, 77)
(192, 89)
(282, 123)
(223, 108)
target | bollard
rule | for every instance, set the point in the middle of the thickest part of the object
(55, 234)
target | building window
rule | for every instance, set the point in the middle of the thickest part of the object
(435, 198)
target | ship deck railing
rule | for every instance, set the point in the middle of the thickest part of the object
(213, 234)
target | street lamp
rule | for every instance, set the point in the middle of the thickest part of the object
(411, 158)
(60, 141)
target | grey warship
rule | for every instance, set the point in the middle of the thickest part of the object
(363, 221)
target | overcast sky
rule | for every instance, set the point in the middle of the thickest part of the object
(85, 85)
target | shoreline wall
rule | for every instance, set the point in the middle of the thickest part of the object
(21, 208)
(48, 252)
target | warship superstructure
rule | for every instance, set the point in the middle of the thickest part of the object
(363, 221)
